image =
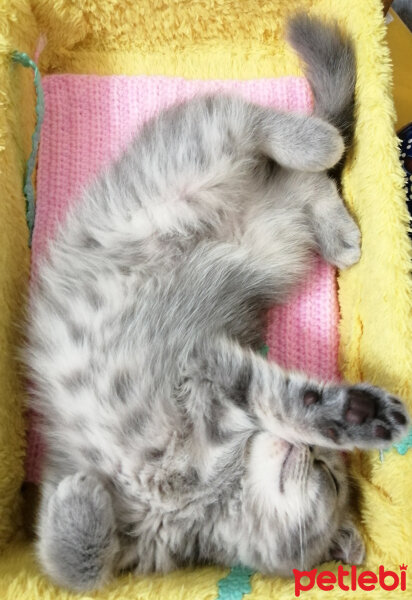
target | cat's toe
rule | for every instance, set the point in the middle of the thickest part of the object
(348, 257)
(82, 485)
(360, 405)
(347, 247)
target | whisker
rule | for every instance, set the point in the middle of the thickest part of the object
(304, 481)
(302, 467)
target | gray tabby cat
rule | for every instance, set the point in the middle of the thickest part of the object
(171, 441)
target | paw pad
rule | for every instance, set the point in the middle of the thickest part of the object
(382, 433)
(361, 406)
(311, 397)
(399, 418)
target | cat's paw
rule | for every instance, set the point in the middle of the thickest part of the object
(82, 488)
(321, 146)
(78, 541)
(368, 417)
(344, 250)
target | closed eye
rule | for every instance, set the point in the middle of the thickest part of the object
(325, 467)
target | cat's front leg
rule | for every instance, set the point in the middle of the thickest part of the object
(290, 405)
(361, 416)
(330, 415)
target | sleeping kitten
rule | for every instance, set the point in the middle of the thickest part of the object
(170, 440)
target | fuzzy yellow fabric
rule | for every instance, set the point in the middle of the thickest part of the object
(20, 579)
(17, 30)
(233, 39)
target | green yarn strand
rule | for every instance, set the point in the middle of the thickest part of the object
(28, 188)
(235, 585)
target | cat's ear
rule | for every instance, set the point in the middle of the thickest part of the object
(347, 544)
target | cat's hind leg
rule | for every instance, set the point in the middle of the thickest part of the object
(336, 233)
(306, 211)
(77, 535)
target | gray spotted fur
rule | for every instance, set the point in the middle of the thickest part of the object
(170, 440)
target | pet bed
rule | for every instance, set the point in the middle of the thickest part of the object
(172, 50)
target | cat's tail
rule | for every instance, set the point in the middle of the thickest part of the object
(330, 67)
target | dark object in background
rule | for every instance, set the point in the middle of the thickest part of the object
(403, 9)
(405, 135)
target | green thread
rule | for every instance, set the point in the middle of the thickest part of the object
(236, 584)
(28, 188)
(401, 447)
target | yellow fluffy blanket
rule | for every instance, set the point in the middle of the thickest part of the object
(217, 39)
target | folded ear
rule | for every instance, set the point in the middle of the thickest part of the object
(347, 544)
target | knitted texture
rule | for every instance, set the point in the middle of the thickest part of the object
(303, 334)
(89, 120)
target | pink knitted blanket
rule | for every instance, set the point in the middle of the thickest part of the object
(88, 122)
